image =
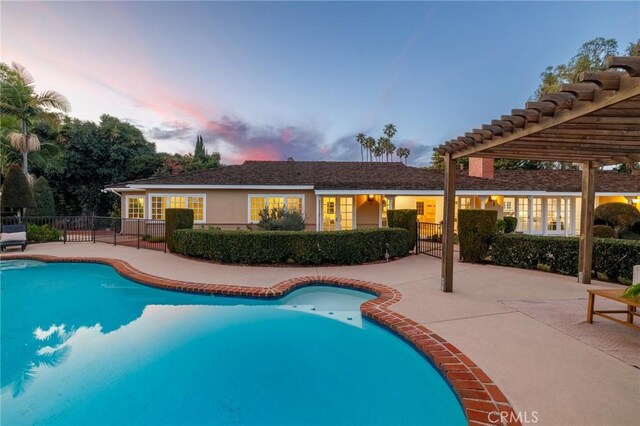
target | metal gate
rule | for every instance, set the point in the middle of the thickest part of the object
(429, 239)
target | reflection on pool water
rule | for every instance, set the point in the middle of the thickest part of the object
(83, 345)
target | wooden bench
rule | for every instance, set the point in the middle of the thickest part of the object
(615, 295)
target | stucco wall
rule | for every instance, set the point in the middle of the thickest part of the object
(367, 213)
(229, 208)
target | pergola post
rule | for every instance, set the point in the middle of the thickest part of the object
(447, 226)
(585, 255)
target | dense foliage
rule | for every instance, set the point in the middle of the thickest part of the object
(176, 219)
(407, 219)
(44, 204)
(42, 233)
(16, 193)
(78, 158)
(299, 247)
(510, 224)
(280, 219)
(611, 258)
(476, 229)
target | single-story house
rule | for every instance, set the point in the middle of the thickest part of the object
(349, 195)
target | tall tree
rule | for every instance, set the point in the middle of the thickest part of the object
(44, 203)
(19, 99)
(361, 138)
(370, 144)
(16, 193)
(200, 152)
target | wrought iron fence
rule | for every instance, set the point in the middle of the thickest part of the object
(429, 239)
(139, 233)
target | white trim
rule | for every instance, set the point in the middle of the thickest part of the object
(253, 187)
(378, 192)
(178, 194)
(267, 195)
(123, 190)
(126, 205)
(318, 213)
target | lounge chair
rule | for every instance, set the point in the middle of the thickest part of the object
(13, 235)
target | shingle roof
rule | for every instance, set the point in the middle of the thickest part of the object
(387, 176)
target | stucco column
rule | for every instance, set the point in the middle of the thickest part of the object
(483, 201)
(530, 216)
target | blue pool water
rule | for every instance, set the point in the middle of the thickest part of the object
(83, 345)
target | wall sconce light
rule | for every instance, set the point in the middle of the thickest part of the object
(370, 198)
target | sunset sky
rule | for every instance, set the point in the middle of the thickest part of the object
(278, 80)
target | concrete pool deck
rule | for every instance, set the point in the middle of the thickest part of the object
(545, 373)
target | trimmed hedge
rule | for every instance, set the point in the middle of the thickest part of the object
(604, 231)
(176, 219)
(617, 214)
(300, 247)
(407, 219)
(611, 257)
(476, 228)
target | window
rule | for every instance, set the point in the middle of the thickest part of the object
(523, 214)
(159, 203)
(465, 203)
(346, 213)
(420, 208)
(197, 205)
(509, 206)
(135, 207)
(260, 202)
(537, 216)
(256, 204)
(294, 204)
(158, 206)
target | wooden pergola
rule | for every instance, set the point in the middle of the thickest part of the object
(595, 122)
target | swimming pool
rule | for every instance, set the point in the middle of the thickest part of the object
(83, 345)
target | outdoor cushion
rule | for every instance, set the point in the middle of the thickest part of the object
(6, 237)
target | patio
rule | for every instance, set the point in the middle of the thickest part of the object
(542, 364)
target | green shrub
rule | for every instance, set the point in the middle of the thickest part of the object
(501, 225)
(407, 219)
(16, 193)
(176, 219)
(603, 231)
(617, 215)
(279, 219)
(42, 233)
(476, 229)
(611, 257)
(510, 224)
(301, 247)
(44, 204)
(628, 235)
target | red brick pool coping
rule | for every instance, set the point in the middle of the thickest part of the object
(482, 400)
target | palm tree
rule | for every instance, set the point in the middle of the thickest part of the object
(390, 131)
(403, 153)
(370, 144)
(19, 99)
(361, 138)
